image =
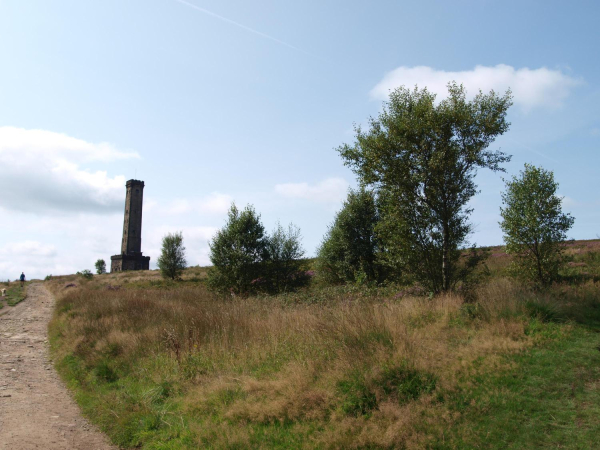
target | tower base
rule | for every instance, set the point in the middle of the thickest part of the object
(121, 263)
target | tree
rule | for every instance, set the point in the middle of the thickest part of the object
(100, 267)
(422, 158)
(171, 261)
(236, 251)
(283, 257)
(350, 249)
(534, 225)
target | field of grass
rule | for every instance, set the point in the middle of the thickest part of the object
(14, 294)
(166, 365)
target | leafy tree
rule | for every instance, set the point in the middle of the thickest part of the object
(171, 261)
(422, 157)
(284, 253)
(236, 251)
(100, 267)
(534, 225)
(349, 251)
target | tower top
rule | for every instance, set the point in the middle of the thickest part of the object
(134, 183)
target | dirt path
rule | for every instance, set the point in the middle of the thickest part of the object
(36, 410)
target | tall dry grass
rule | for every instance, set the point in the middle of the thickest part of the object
(331, 370)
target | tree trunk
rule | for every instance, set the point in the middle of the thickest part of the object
(538, 260)
(445, 260)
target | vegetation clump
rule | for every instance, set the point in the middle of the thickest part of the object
(422, 156)
(534, 225)
(247, 260)
(85, 274)
(100, 266)
(351, 249)
(15, 294)
(171, 261)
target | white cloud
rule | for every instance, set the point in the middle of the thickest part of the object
(31, 257)
(212, 204)
(331, 190)
(178, 206)
(531, 88)
(32, 248)
(54, 244)
(215, 203)
(568, 202)
(41, 172)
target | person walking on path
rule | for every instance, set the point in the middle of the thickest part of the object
(22, 278)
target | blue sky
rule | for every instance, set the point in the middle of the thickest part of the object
(212, 102)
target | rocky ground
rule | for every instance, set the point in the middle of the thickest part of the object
(36, 410)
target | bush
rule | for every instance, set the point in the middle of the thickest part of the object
(87, 274)
(246, 260)
(283, 265)
(171, 261)
(48, 277)
(237, 251)
(350, 249)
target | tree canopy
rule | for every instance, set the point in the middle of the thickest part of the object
(236, 250)
(100, 267)
(533, 223)
(246, 260)
(350, 249)
(171, 261)
(422, 157)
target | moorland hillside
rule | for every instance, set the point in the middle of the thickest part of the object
(169, 364)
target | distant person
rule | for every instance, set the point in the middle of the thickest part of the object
(22, 278)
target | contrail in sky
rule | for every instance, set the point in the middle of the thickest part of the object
(243, 27)
(532, 150)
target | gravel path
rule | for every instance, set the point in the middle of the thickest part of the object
(36, 410)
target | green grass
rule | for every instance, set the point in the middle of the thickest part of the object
(14, 295)
(549, 399)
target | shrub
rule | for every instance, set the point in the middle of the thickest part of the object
(283, 266)
(246, 260)
(349, 251)
(237, 251)
(171, 261)
(48, 277)
(87, 274)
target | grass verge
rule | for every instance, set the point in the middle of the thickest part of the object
(549, 399)
(14, 295)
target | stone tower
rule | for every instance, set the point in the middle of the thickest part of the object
(131, 245)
